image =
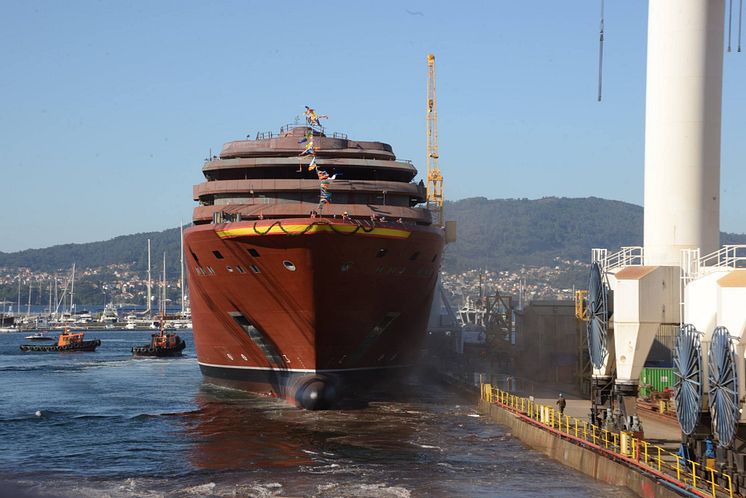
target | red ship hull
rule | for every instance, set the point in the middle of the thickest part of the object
(310, 309)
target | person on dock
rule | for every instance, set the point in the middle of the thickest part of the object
(561, 404)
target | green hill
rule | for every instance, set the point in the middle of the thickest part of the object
(122, 249)
(503, 234)
(498, 234)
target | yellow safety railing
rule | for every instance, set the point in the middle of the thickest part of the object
(581, 305)
(687, 473)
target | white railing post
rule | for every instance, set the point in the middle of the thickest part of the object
(694, 266)
(690, 261)
(626, 256)
(599, 256)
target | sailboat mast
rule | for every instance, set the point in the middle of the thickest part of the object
(56, 297)
(150, 283)
(18, 304)
(28, 306)
(163, 286)
(72, 290)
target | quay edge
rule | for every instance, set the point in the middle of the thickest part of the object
(579, 458)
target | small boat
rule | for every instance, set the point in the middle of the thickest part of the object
(39, 336)
(162, 345)
(66, 341)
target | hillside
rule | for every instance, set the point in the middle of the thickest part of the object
(498, 234)
(122, 249)
(506, 233)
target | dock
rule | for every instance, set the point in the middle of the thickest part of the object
(648, 466)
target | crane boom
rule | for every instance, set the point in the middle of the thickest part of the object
(434, 177)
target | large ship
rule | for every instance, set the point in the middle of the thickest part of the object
(312, 265)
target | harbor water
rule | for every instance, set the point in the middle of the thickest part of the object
(103, 424)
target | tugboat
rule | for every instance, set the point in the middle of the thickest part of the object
(67, 341)
(162, 345)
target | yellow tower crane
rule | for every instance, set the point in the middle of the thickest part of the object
(434, 177)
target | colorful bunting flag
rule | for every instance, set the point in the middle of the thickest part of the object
(309, 149)
(314, 119)
(308, 136)
(325, 197)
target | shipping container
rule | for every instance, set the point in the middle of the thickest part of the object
(656, 379)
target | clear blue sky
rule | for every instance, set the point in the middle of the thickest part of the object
(107, 108)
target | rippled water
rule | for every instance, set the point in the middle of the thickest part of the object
(111, 425)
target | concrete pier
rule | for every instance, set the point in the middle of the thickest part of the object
(648, 466)
(586, 461)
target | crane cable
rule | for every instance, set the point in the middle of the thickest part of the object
(740, 22)
(601, 52)
(730, 23)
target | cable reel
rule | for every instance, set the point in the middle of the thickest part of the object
(598, 317)
(723, 376)
(688, 389)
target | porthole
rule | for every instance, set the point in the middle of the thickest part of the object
(229, 268)
(244, 357)
(288, 265)
(240, 269)
(345, 266)
(434, 258)
(254, 268)
(210, 270)
(253, 252)
(381, 253)
(230, 356)
(217, 254)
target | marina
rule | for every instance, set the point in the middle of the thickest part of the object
(128, 317)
